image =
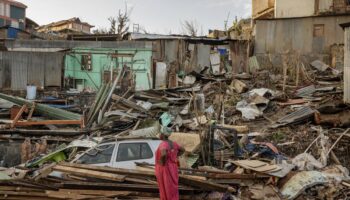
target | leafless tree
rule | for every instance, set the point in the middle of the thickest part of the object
(190, 27)
(113, 22)
(144, 30)
(100, 31)
(120, 24)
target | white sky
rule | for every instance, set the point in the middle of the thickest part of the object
(157, 16)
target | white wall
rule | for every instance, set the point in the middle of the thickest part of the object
(294, 8)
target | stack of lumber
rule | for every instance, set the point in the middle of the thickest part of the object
(77, 181)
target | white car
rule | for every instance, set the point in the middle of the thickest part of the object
(120, 154)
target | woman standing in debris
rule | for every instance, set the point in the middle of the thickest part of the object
(167, 166)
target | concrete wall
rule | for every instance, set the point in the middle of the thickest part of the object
(294, 8)
(281, 35)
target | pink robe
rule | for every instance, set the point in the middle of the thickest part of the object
(167, 175)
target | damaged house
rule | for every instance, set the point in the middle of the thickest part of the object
(66, 27)
(174, 55)
(307, 28)
(13, 20)
(76, 64)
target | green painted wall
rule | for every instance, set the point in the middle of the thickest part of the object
(102, 61)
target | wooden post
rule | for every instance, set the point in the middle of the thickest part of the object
(30, 115)
(347, 66)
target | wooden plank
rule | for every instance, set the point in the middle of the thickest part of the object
(16, 197)
(238, 176)
(204, 185)
(31, 112)
(30, 194)
(106, 193)
(128, 103)
(239, 129)
(117, 187)
(111, 170)
(44, 172)
(19, 189)
(90, 173)
(69, 195)
(36, 132)
(49, 122)
(19, 114)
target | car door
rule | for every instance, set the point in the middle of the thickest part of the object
(99, 156)
(130, 152)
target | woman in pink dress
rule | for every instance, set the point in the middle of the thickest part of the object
(167, 166)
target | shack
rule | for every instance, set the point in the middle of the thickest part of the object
(176, 55)
(307, 28)
(89, 68)
(51, 63)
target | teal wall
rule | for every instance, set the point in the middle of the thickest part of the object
(101, 61)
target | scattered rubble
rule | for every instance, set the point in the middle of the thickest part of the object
(244, 138)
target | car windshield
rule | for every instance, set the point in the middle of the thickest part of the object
(98, 155)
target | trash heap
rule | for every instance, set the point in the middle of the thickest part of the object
(267, 135)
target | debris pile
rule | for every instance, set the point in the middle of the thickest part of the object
(76, 181)
(246, 136)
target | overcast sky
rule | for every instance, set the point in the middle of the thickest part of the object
(156, 16)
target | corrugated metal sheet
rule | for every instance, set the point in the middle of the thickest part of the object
(36, 70)
(295, 117)
(21, 68)
(281, 35)
(141, 36)
(54, 64)
(47, 46)
(347, 66)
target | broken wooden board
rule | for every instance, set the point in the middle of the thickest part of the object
(292, 102)
(257, 166)
(89, 173)
(239, 129)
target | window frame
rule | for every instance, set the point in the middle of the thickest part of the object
(85, 62)
(117, 159)
(317, 29)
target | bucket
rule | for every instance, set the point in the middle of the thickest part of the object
(80, 87)
(31, 92)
